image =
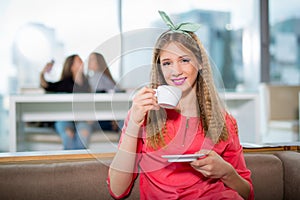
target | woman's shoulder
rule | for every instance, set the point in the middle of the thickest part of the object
(229, 117)
(63, 85)
(231, 123)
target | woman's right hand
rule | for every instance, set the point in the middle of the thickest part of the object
(48, 67)
(143, 101)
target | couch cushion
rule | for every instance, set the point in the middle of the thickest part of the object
(54, 181)
(267, 175)
(291, 164)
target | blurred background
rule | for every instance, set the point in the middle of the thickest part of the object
(250, 41)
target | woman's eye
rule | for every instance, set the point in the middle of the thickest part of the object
(185, 60)
(166, 63)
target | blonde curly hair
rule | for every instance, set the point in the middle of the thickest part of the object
(211, 109)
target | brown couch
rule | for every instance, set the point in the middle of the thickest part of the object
(274, 175)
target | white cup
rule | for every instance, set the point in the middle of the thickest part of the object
(168, 96)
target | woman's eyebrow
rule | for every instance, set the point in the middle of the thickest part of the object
(165, 59)
(182, 56)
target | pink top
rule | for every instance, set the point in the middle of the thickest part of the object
(160, 179)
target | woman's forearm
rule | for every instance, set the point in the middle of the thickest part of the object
(238, 183)
(123, 165)
(43, 82)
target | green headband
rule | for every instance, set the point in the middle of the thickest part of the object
(184, 28)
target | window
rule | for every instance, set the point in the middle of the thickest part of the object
(284, 23)
(229, 31)
(34, 32)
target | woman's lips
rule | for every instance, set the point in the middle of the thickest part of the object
(178, 81)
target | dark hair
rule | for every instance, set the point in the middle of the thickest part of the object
(67, 72)
(102, 66)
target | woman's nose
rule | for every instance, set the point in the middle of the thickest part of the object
(176, 69)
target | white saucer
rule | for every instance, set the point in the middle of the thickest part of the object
(182, 158)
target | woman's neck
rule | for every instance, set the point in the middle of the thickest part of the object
(188, 104)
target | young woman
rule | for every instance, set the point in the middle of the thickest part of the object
(199, 124)
(99, 75)
(101, 81)
(74, 135)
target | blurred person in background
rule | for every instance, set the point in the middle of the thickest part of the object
(74, 135)
(101, 81)
(99, 75)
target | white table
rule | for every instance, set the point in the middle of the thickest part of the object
(55, 107)
(69, 107)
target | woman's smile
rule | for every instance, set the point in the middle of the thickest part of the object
(179, 81)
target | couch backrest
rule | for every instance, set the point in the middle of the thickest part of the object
(87, 179)
(267, 176)
(54, 181)
(291, 165)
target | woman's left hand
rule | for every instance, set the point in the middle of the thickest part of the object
(213, 166)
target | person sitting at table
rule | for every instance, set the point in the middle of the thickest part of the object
(101, 81)
(99, 75)
(74, 135)
(198, 126)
